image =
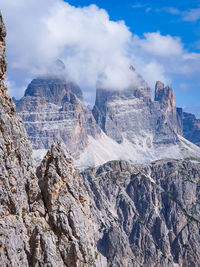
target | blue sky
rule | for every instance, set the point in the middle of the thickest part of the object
(160, 38)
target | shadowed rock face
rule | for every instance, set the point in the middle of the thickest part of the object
(3, 63)
(148, 214)
(191, 128)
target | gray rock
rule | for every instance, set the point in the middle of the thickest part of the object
(131, 114)
(53, 109)
(191, 128)
(148, 214)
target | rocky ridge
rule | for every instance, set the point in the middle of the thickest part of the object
(124, 124)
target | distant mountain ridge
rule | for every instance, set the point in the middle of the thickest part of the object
(124, 124)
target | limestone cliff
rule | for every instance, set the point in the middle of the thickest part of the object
(131, 114)
(53, 109)
(148, 215)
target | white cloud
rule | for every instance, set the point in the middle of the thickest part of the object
(84, 38)
(159, 45)
(90, 44)
(191, 15)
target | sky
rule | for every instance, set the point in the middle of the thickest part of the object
(161, 39)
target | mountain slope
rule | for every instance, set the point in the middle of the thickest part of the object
(148, 215)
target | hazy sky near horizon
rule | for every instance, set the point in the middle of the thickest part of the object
(161, 39)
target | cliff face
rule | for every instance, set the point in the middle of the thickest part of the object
(131, 114)
(191, 128)
(53, 109)
(148, 215)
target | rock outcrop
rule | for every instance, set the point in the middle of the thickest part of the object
(47, 227)
(191, 128)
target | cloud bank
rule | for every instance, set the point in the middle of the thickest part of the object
(90, 44)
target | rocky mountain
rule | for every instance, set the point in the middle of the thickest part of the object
(191, 128)
(124, 124)
(117, 214)
(143, 129)
(132, 114)
(53, 109)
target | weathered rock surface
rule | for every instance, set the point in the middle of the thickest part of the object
(191, 128)
(148, 214)
(131, 114)
(53, 109)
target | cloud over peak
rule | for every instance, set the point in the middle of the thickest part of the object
(90, 44)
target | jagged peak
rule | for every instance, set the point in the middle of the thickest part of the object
(58, 151)
(164, 94)
(159, 85)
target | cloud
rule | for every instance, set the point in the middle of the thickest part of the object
(86, 40)
(159, 45)
(91, 46)
(170, 10)
(191, 15)
(139, 5)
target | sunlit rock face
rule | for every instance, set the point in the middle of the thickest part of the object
(53, 109)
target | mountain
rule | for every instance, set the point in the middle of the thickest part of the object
(53, 109)
(136, 128)
(117, 214)
(124, 124)
(191, 128)
(148, 215)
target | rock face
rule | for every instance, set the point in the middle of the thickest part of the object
(191, 128)
(148, 214)
(124, 124)
(131, 114)
(53, 109)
